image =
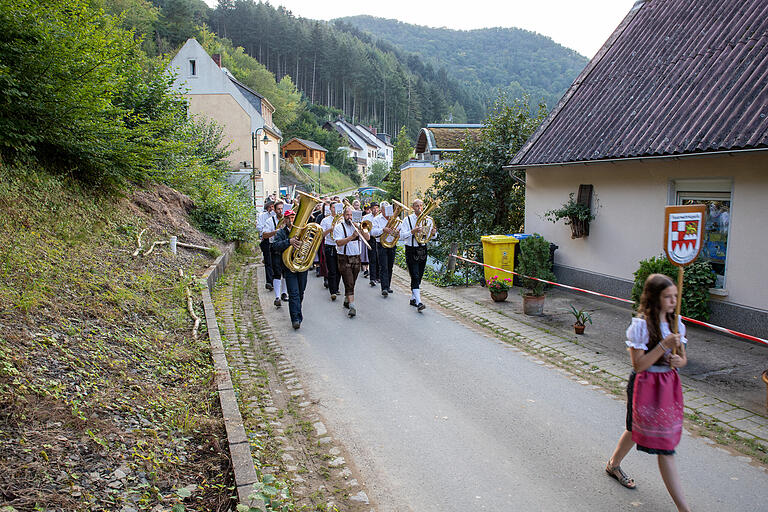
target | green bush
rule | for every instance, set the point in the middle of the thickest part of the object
(698, 278)
(534, 261)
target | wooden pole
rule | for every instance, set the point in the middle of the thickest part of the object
(679, 302)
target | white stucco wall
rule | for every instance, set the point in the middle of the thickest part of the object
(629, 200)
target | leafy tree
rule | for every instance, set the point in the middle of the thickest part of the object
(76, 90)
(402, 153)
(377, 172)
(476, 195)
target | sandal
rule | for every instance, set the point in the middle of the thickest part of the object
(620, 476)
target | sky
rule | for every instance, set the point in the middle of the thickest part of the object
(582, 25)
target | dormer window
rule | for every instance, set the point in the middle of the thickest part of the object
(192, 67)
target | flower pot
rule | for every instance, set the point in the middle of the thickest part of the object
(579, 228)
(579, 328)
(533, 305)
(499, 296)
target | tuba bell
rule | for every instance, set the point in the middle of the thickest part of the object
(310, 235)
(390, 240)
(425, 222)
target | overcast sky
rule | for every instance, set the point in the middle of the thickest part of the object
(583, 25)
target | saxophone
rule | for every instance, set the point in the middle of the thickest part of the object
(426, 223)
(390, 240)
(310, 234)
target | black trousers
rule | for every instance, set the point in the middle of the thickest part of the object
(386, 259)
(332, 264)
(373, 259)
(266, 251)
(277, 265)
(415, 267)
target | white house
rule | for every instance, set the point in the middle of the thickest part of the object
(244, 114)
(385, 150)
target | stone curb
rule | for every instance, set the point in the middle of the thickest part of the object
(742, 423)
(239, 447)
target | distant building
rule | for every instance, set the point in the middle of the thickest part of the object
(362, 144)
(310, 154)
(435, 144)
(244, 114)
(672, 110)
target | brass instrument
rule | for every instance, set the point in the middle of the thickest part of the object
(425, 222)
(359, 234)
(310, 235)
(367, 225)
(389, 240)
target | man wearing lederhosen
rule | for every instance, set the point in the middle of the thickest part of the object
(415, 253)
(269, 211)
(373, 257)
(271, 227)
(330, 249)
(385, 255)
(347, 236)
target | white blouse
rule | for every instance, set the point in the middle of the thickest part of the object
(637, 333)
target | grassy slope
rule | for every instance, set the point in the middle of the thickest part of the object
(98, 370)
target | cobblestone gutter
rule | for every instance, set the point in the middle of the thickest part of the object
(239, 447)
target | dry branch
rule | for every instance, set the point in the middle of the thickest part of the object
(165, 242)
(138, 243)
(192, 246)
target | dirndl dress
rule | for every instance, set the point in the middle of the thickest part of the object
(654, 398)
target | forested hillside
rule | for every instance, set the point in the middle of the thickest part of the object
(384, 88)
(486, 61)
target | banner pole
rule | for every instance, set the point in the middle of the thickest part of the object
(679, 303)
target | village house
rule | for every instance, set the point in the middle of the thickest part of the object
(672, 110)
(436, 144)
(359, 146)
(386, 150)
(244, 115)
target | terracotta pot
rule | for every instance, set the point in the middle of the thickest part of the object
(533, 305)
(579, 328)
(499, 296)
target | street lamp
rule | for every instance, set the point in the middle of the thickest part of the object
(254, 143)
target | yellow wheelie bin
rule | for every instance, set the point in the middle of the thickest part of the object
(499, 251)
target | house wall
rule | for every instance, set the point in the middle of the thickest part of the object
(270, 172)
(629, 200)
(234, 120)
(415, 179)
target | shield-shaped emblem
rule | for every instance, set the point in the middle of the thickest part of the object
(684, 232)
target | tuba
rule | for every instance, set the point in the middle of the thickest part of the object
(425, 222)
(311, 236)
(390, 240)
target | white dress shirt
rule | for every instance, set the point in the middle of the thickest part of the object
(261, 219)
(407, 226)
(378, 224)
(343, 231)
(326, 224)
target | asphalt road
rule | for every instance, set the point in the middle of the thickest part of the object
(439, 417)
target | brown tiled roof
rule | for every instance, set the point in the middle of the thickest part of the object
(445, 136)
(676, 77)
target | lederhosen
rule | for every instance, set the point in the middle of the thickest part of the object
(349, 267)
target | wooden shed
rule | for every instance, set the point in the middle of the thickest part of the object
(307, 151)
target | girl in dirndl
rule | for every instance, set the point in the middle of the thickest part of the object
(654, 394)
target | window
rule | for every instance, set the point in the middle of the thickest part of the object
(192, 67)
(266, 161)
(274, 162)
(716, 194)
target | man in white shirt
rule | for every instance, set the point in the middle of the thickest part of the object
(373, 259)
(271, 227)
(415, 253)
(348, 245)
(269, 211)
(330, 253)
(386, 256)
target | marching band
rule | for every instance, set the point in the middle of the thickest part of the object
(340, 240)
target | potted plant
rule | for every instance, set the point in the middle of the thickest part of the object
(534, 261)
(581, 317)
(499, 288)
(576, 215)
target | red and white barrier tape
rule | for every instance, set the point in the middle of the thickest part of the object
(590, 292)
